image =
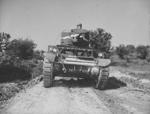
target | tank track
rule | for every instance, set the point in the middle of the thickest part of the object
(48, 74)
(101, 81)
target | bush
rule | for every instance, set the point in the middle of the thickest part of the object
(12, 73)
(141, 52)
(23, 49)
(18, 60)
(100, 40)
(122, 51)
(131, 53)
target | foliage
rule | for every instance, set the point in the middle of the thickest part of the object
(131, 53)
(11, 73)
(141, 52)
(122, 51)
(100, 40)
(38, 54)
(19, 58)
(148, 53)
(24, 49)
(4, 41)
(130, 48)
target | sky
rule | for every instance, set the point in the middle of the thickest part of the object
(43, 20)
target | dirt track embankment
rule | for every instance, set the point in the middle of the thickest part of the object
(79, 97)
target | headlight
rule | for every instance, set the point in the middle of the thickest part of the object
(100, 54)
(50, 49)
(95, 70)
(54, 50)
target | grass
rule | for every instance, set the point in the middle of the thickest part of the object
(137, 70)
(135, 67)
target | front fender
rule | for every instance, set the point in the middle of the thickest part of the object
(103, 62)
(50, 56)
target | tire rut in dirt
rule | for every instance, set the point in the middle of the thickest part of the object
(112, 102)
(87, 101)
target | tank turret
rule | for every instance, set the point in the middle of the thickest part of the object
(76, 37)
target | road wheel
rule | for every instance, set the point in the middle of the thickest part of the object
(101, 81)
(48, 77)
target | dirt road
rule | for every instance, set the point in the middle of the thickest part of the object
(79, 97)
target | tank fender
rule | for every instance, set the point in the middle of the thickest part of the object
(50, 56)
(103, 62)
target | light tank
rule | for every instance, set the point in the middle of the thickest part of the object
(74, 57)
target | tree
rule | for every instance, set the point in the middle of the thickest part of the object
(100, 40)
(122, 51)
(23, 49)
(130, 48)
(4, 41)
(142, 51)
(148, 53)
(38, 54)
